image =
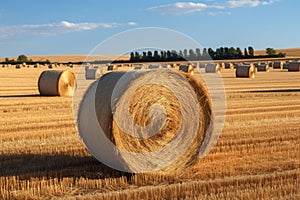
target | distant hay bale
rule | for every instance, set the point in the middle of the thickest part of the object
(285, 65)
(212, 68)
(222, 65)
(271, 64)
(56, 83)
(235, 65)
(36, 65)
(229, 65)
(153, 67)
(70, 65)
(294, 67)
(263, 68)
(166, 66)
(139, 67)
(202, 65)
(93, 73)
(18, 66)
(50, 66)
(112, 68)
(278, 65)
(187, 69)
(175, 144)
(245, 71)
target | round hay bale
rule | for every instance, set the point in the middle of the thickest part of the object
(245, 71)
(271, 64)
(138, 67)
(277, 65)
(112, 68)
(294, 67)
(18, 66)
(36, 65)
(50, 66)
(212, 68)
(222, 65)
(285, 65)
(202, 65)
(187, 69)
(165, 66)
(93, 73)
(263, 68)
(153, 67)
(125, 106)
(229, 66)
(57, 83)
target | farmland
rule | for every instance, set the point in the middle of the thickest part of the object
(256, 156)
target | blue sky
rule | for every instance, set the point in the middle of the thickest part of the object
(76, 27)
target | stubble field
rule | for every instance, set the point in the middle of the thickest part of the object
(256, 157)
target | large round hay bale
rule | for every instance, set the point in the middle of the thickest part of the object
(263, 68)
(245, 71)
(187, 69)
(277, 65)
(56, 83)
(93, 73)
(126, 107)
(294, 67)
(212, 68)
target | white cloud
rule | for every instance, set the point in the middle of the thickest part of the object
(219, 13)
(55, 28)
(180, 8)
(131, 23)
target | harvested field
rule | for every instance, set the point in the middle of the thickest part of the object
(256, 157)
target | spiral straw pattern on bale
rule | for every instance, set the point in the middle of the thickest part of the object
(155, 119)
(294, 67)
(212, 68)
(56, 83)
(245, 71)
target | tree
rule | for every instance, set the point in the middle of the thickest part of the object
(180, 54)
(211, 53)
(137, 56)
(232, 53)
(149, 55)
(132, 58)
(198, 52)
(239, 52)
(251, 51)
(185, 53)
(245, 53)
(168, 55)
(270, 51)
(192, 54)
(226, 52)
(204, 52)
(22, 58)
(144, 55)
(156, 56)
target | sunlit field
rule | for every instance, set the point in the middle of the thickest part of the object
(256, 157)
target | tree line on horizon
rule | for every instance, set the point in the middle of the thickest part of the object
(221, 53)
